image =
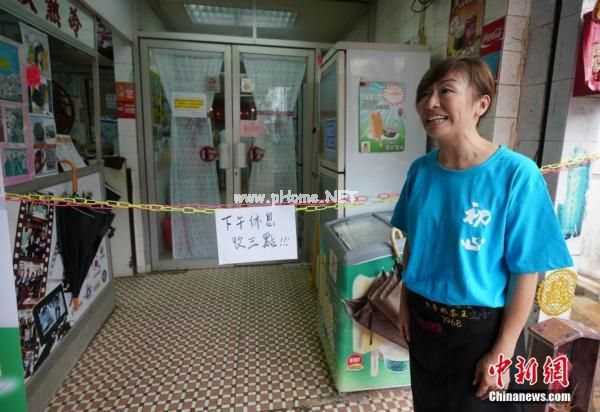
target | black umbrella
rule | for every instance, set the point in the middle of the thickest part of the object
(79, 232)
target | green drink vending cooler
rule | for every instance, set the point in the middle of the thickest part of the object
(352, 253)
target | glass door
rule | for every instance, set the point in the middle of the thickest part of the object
(269, 86)
(186, 89)
(199, 153)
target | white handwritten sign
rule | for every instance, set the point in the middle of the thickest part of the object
(256, 234)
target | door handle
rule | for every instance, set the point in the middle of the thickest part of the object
(208, 154)
(241, 155)
(224, 156)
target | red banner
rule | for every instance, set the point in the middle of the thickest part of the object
(491, 39)
(125, 92)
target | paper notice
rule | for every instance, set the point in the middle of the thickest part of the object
(65, 150)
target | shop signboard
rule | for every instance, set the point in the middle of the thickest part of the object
(66, 16)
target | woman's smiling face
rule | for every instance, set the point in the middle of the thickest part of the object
(449, 107)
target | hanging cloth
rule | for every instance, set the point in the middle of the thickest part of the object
(277, 81)
(192, 181)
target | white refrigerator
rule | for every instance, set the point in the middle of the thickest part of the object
(370, 131)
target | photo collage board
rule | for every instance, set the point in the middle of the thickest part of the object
(30, 266)
(39, 93)
(16, 149)
(45, 306)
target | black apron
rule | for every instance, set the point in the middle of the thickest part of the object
(446, 342)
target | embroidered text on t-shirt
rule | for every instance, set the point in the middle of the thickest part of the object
(475, 217)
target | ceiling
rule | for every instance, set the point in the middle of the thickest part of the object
(318, 20)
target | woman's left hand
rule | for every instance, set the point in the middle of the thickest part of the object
(487, 382)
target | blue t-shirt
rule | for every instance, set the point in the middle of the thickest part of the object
(469, 230)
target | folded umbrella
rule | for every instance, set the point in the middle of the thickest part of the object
(379, 309)
(79, 233)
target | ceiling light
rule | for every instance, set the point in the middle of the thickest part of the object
(233, 16)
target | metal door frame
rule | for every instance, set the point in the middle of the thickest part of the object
(307, 118)
(231, 53)
(154, 232)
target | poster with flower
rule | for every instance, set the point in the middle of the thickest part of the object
(381, 121)
(38, 80)
(16, 152)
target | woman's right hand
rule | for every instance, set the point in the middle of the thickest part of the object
(404, 318)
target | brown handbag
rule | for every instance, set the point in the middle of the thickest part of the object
(379, 309)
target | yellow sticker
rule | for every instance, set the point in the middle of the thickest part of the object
(555, 293)
(188, 103)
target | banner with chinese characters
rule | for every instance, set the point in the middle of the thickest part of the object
(256, 234)
(16, 150)
(12, 387)
(381, 121)
(125, 92)
(66, 16)
(38, 80)
(464, 30)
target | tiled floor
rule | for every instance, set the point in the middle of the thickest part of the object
(222, 339)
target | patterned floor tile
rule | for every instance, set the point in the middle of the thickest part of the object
(236, 339)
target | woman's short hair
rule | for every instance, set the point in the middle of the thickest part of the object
(477, 73)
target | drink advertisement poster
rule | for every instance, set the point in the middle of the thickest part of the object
(381, 122)
(464, 31)
(491, 44)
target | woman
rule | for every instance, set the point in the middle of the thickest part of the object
(479, 225)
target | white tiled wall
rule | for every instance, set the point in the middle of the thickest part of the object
(512, 63)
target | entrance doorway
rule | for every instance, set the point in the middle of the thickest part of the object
(219, 120)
